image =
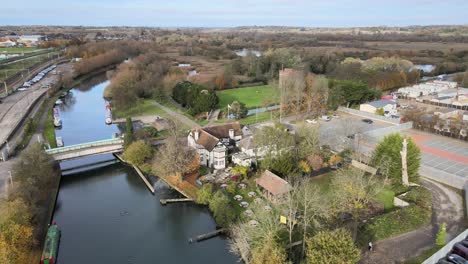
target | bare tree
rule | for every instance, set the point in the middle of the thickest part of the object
(353, 191)
(173, 158)
(404, 166)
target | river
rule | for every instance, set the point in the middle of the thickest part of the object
(107, 215)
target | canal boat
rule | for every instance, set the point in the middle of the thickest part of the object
(57, 122)
(50, 251)
(59, 141)
(108, 114)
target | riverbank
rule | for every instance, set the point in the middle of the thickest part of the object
(49, 129)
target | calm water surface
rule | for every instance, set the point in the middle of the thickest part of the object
(107, 215)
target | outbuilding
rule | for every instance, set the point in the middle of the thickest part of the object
(371, 107)
(272, 186)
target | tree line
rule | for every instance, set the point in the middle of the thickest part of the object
(25, 210)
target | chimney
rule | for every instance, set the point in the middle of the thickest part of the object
(197, 134)
(231, 133)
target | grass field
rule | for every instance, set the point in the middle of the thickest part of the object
(251, 96)
(146, 107)
(17, 50)
(142, 108)
(14, 68)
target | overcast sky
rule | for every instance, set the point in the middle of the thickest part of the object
(227, 13)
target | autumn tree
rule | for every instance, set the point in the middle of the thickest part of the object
(353, 191)
(173, 158)
(269, 253)
(205, 194)
(138, 152)
(307, 140)
(16, 233)
(34, 172)
(315, 94)
(332, 247)
(275, 144)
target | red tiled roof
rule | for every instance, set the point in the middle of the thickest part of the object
(273, 183)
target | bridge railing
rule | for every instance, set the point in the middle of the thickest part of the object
(98, 143)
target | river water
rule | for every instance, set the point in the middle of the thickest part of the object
(107, 215)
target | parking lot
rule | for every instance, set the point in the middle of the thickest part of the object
(442, 153)
(339, 132)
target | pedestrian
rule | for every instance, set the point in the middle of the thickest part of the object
(370, 246)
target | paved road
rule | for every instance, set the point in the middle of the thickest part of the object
(180, 117)
(15, 106)
(447, 208)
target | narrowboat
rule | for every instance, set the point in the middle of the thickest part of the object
(50, 252)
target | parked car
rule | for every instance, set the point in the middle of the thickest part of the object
(22, 89)
(336, 116)
(456, 259)
(325, 118)
(367, 120)
(311, 121)
(443, 261)
(464, 243)
(460, 250)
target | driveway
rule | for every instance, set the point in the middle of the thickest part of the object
(180, 117)
(447, 207)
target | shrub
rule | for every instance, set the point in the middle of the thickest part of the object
(397, 222)
(222, 210)
(419, 196)
(241, 170)
(332, 247)
(137, 153)
(204, 194)
(441, 235)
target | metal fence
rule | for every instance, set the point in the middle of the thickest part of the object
(105, 142)
(446, 249)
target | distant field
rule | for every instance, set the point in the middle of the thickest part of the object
(251, 96)
(13, 68)
(17, 50)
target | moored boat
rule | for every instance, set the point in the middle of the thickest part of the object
(108, 114)
(50, 251)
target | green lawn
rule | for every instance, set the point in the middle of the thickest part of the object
(400, 221)
(251, 96)
(142, 108)
(146, 107)
(17, 50)
(385, 197)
